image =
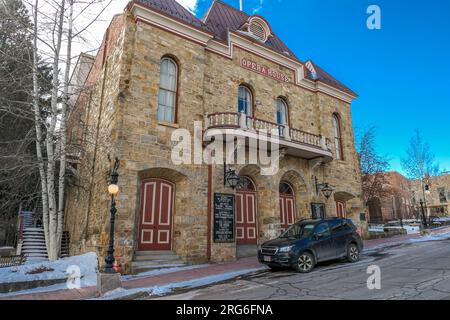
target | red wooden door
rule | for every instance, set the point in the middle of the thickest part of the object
(155, 226)
(246, 218)
(287, 210)
(340, 209)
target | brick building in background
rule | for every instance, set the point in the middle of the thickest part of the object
(402, 199)
(397, 203)
(161, 69)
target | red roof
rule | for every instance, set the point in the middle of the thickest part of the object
(325, 77)
(175, 10)
(222, 19)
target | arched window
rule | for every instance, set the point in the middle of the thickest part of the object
(246, 184)
(286, 189)
(245, 101)
(282, 112)
(167, 100)
(337, 137)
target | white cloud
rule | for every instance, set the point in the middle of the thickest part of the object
(191, 5)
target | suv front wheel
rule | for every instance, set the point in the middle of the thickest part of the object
(305, 262)
(352, 253)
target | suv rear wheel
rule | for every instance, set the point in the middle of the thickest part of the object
(352, 253)
(305, 262)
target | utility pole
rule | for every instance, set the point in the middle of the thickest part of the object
(241, 5)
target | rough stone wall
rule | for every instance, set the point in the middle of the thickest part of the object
(87, 200)
(145, 144)
(121, 112)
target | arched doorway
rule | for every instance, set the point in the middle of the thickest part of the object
(287, 205)
(246, 213)
(156, 215)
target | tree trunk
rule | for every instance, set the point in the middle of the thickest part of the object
(38, 123)
(53, 214)
(63, 135)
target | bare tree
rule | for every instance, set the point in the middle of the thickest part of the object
(419, 162)
(373, 167)
(56, 25)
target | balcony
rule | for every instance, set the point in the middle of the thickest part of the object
(295, 142)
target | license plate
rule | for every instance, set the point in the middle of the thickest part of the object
(267, 259)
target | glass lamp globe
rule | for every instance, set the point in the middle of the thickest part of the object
(113, 189)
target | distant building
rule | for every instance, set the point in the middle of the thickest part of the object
(398, 202)
(79, 76)
(437, 200)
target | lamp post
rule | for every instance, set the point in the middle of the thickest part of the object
(425, 224)
(113, 190)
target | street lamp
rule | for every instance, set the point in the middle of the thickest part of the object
(113, 190)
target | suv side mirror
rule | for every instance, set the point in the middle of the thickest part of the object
(316, 236)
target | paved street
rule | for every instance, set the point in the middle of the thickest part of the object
(410, 271)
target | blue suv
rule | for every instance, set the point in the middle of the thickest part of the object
(309, 242)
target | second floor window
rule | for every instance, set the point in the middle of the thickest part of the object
(442, 197)
(282, 115)
(167, 99)
(245, 101)
(337, 137)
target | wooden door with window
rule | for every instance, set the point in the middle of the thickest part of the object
(287, 206)
(340, 209)
(156, 218)
(246, 214)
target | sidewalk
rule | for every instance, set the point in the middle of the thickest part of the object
(393, 241)
(192, 274)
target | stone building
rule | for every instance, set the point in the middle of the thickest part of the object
(398, 201)
(160, 69)
(437, 198)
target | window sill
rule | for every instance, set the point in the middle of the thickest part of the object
(169, 124)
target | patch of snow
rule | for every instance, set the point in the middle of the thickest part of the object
(436, 237)
(162, 271)
(168, 288)
(86, 263)
(55, 287)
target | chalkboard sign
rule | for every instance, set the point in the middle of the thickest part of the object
(224, 218)
(318, 211)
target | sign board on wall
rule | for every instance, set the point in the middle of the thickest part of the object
(318, 211)
(264, 70)
(224, 213)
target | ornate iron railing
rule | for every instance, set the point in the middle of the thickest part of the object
(234, 120)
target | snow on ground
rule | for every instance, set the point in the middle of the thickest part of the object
(86, 264)
(437, 237)
(168, 288)
(162, 271)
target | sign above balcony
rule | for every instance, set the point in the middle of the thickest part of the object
(263, 70)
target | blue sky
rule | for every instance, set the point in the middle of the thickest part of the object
(400, 72)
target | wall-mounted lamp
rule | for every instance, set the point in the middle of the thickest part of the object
(230, 177)
(326, 189)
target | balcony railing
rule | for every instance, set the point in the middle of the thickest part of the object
(230, 120)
